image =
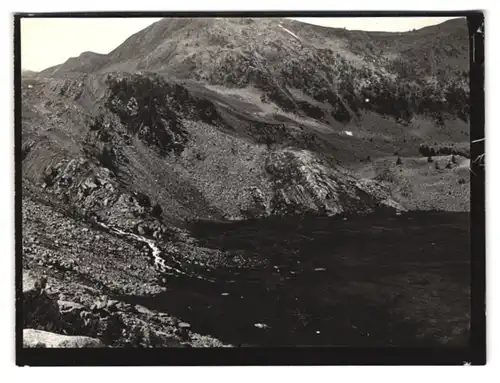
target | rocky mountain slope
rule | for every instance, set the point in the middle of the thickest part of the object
(190, 155)
(227, 119)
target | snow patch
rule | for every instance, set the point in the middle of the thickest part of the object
(290, 32)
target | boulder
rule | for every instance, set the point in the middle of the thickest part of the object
(143, 310)
(43, 339)
(72, 317)
(183, 330)
(111, 328)
(67, 306)
(40, 309)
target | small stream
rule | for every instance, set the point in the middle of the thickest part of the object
(159, 262)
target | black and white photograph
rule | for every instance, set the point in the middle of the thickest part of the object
(249, 182)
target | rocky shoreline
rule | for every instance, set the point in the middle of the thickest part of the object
(64, 296)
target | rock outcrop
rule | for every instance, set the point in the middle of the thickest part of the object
(43, 339)
(303, 183)
(40, 309)
(64, 313)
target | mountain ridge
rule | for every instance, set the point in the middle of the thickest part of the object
(401, 73)
(453, 23)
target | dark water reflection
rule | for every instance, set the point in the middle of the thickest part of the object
(376, 280)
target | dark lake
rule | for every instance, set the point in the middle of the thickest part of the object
(375, 280)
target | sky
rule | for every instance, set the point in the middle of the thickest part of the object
(50, 41)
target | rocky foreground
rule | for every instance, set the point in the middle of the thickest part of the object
(69, 285)
(89, 320)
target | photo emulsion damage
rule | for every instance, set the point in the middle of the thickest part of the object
(243, 184)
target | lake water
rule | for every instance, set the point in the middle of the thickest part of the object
(375, 280)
